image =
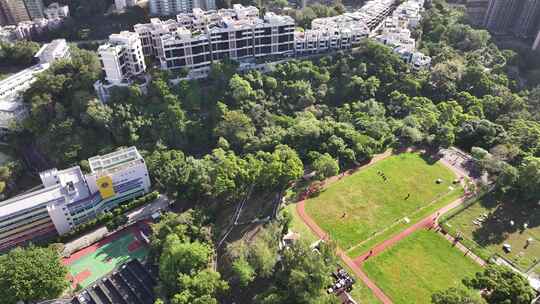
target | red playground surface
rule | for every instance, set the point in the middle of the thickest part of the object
(91, 263)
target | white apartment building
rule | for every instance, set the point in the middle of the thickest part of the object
(12, 109)
(56, 11)
(122, 58)
(69, 197)
(56, 49)
(199, 19)
(8, 33)
(169, 7)
(121, 5)
(332, 33)
(395, 31)
(374, 12)
(149, 33)
(228, 37)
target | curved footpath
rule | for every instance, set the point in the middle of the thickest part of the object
(428, 222)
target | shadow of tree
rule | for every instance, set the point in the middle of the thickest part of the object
(497, 226)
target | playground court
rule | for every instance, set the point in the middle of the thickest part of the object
(95, 261)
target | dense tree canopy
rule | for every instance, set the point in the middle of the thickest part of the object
(31, 274)
(501, 285)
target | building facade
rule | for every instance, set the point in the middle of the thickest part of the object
(69, 197)
(12, 109)
(169, 7)
(56, 11)
(13, 11)
(35, 8)
(122, 58)
(197, 40)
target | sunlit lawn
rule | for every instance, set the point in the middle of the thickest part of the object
(356, 207)
(418, 266)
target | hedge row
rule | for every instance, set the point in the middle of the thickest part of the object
(110, 219)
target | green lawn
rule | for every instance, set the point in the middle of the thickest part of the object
(496, 230)
(360, 293)
(418, 266)
(371, 205)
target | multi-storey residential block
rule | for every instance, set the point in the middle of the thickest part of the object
(122, 58)
(34, 8)
(56, 11)
(8, 33)
(56, 49)
(227, 38)
(332, 33)
(13, 11)
(69, 197)
(149, 33)
(170, 7)
(12, 109)
(374, 12)
(395, 32)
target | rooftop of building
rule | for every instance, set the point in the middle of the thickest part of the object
(49, 49)
(57, 185)
(109, 163)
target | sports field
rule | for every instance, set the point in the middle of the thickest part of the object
(361, 293)
(95, 261)
(486, 225)
(371, 200)
(415, 268)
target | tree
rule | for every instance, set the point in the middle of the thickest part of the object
(201, 288)
(457, 296)
(501, 285)
(325, 166)
(236, 127)
(302, 276)
(32, 274)
(529, 178)
(180, 257)
(243, 271)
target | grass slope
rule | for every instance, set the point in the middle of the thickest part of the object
(418, 266)
(370, 204)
